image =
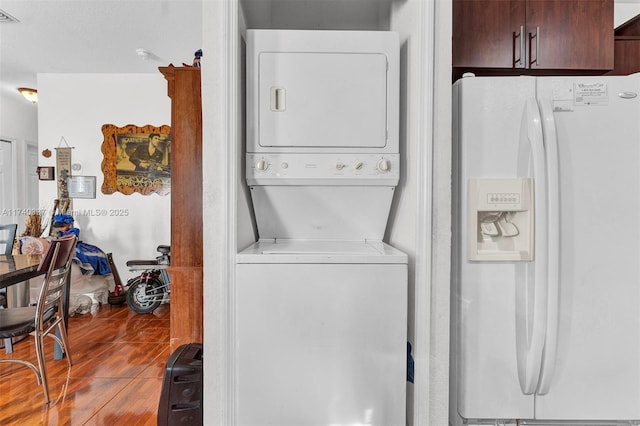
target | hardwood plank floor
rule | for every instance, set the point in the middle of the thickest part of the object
(119, 359)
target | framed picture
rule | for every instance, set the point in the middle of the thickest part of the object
(136, 159)
(81, 186)
(46, 173)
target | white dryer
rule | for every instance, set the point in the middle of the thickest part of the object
(321, 300)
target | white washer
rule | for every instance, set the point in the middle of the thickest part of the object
(322, 331)
(321, 301)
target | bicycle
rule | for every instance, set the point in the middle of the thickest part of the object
(147, 291)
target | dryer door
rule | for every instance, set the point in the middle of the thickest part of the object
(322, 100)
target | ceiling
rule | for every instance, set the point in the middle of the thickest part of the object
(94, 36)
(102, 36)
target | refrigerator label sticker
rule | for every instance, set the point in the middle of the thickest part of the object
(590, 94)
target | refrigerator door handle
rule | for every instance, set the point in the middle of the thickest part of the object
(531, 278)
(553, 247)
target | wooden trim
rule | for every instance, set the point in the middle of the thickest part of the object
(189, 302)
(186, 205)
(631, 27)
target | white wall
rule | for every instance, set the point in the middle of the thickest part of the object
(625, 10)
(19, 125)
(406, 19)
(18, 117)
(441, 220)
(75, 106)
(218, 126)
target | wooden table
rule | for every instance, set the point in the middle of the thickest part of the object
(18, 268)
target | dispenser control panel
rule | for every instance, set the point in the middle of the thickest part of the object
(503, 198)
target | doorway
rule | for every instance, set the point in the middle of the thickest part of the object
(7, 213)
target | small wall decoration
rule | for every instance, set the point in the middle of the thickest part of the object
(136, 159)
(82, 186)
(46, 173)
(63, 162)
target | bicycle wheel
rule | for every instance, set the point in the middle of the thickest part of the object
(144, 297)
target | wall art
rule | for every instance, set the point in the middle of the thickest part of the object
(136, 159)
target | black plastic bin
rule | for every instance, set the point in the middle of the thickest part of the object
(181, 396)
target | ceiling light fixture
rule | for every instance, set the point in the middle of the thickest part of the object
(30, 94)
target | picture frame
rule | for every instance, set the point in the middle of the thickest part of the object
(136, 159)
(81, 186)
(46, 173)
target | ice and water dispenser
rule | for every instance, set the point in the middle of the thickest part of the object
(501, 219)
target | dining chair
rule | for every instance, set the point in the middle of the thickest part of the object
(47, 317)
(7, 237)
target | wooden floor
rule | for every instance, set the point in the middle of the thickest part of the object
(119, 359)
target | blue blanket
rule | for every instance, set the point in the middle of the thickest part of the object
(91, 259)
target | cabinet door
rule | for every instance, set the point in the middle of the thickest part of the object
(571, 35)
(486, 33)
(558, 34)
(627, 56)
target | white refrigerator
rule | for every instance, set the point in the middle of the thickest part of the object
(546, 251)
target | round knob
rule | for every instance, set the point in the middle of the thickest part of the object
(358, 165)
(262, 165)
(384, 165)
(339, 165)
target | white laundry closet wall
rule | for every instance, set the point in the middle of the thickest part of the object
(413, 214)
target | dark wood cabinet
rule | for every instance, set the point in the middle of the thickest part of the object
(627, 48)
(486, 33)
(627, 56)
(532, 35)
(186, 204)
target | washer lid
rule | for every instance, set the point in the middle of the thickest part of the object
(320, 251)
(318, 247)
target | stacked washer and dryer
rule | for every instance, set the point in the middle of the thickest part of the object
(321, 318)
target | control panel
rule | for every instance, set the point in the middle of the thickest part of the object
(503, 198)
(323, 169)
